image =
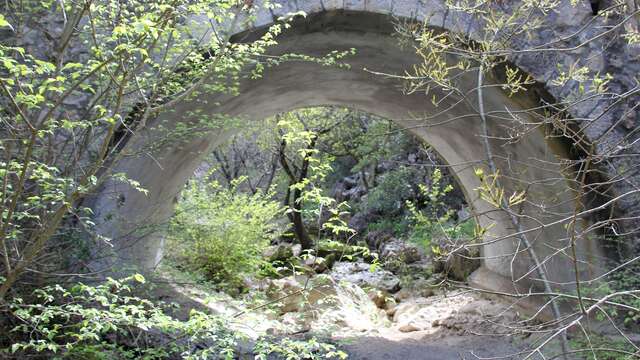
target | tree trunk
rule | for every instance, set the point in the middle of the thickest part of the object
(294, 202)
(298, 225)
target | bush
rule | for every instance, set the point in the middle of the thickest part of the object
(399, 226)
(108, 322)
(394, 188)
(602, 348)
(222, 232)
(433, 221)
(618, 281)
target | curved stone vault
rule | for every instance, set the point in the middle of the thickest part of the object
(533, 162)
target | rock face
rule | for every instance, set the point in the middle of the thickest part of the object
(349, 188)
(360, 273)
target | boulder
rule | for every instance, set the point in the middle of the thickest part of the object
(361, 274)
(280, 252)
(457, 265)
(296, 250)
(415, 314)
(289, 291)
(349, 188)
(292, 296)
(338, 191)
(408, 328)
(318, 264)
(403, 294)
(398, 250)
(359, 222)
(406, 312)
(377, 238)
(379, 297)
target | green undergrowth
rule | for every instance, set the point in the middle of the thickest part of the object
(221, 232)
(198, 285)
(428, 222)
(108, 321)
(603, 348)
(620, 282)
(344, 252)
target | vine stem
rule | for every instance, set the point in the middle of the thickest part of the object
(514, 219)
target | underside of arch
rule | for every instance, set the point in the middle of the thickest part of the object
(133, 220)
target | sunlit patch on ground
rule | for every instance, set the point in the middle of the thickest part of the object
(341, 310)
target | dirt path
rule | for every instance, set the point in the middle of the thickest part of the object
(456, 326)
(428, 348)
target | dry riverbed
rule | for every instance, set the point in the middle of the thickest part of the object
(369, 324)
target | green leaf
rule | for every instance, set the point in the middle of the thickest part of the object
(139, 278)
(4, 22)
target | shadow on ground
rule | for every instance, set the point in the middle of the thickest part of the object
(434, 348)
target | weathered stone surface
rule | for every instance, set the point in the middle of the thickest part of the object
(359, 222)
(381, 298)
(360, 273)
(319, 264)
(531, 160)
(290, 293)
(408, 328)
(299, 293)
(376, 239)
(457, 265)
(296, 250)
(281, 252)
(398, 250)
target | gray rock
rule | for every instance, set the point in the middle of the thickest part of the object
(457, 265)
(377, 238)
(360, 274)
(398, 250)
(296, 250)
(317, 264)
(359, 222)
(463, 213)
(281, 252)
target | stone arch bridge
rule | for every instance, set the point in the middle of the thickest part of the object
(367, 25)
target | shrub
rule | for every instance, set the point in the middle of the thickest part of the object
(432, 222)
(603, 348)
(622, 280)
(398, 226)
(394, 188)
(108, 322)
(222, 232)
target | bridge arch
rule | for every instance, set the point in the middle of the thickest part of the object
(533, 161)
